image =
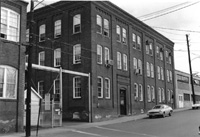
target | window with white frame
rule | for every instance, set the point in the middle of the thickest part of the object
(163, 94)
(152, 70)
(170, 58)
(161, 54)
(158, 70)
(167, 56)
(136, 94)
(57, 28)
(148, 93)
(56, 90)
(27, 35)
(99, 54)
(168, 95)
(140, 92)
(124, 39)
(107, 88)
(8, 82)
(107, 55)
(159, 95)
(140, 66)
(57, 57)
(168, 79)
(77, 23)
(41, 87)
(77, 54)
(41, 58)
(148, 70)
(125, 62)
(77, 87)
(151, 49)
(99, 24)
(135, 63)
(158, 51)
(138, 42)
(100, 87)
(170, 76)
(134, 40)
(147, 47)
(119, 60)
(106, 28)
(42, 30)
(118, 32)
(153, 93)
(10, 24)
(161, 73)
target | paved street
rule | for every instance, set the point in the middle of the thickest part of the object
(181, 124)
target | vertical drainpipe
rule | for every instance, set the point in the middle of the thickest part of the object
(155, 69)
(130, 51)
(144, 69)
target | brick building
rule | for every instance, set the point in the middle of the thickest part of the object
(131, 64)
(12, 58)
(184, 89)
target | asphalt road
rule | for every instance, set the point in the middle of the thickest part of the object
(180, 124)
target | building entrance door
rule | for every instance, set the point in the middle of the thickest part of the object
(180, 99)
(122, 102)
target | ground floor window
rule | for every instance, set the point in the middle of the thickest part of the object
(8, 82)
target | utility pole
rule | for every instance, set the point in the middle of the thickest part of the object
(191, 76)
(28, 98)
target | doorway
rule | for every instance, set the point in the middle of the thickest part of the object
(122, 102)
(180, 98)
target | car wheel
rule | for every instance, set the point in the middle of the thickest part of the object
(163, 115)
(150, 116)
(170, 113)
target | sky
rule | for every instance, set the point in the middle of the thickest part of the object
(172, 25)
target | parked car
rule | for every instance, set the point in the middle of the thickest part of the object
(196, 106)
(160, 110)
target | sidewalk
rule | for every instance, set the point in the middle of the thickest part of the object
(70, 126)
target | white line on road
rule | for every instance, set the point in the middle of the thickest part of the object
(135, 133)
(87, 133)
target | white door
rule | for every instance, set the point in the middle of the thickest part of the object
(180, 99)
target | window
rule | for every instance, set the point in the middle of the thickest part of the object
(8, 82)
(106, 27)
(107, 88)
(168, 79)
(99, 24)
(99, 54)
(148, 70)
(57, 57)
(153, 93)
(161, 54)
(119, 60)
(167, 56)
(162, 73)
(147, 47)
(140, 66)
(135, 63)
(163, 95)
(136, 94)
(41, 59)
(77, 87)
(148, 93)
(170, 58)
(168, 95)
(77, 23)
(56, 90)
(158, 70)
(41, 87)
(42, 33)
(57, 29)
(182, 78)
(138, 43)
(107, 55)
(150, 49)
(159, 95)
(140, 93)
(118, 31)
(100, 87)
(152, 70)
(125, 63)
(158, 51)
(10, 24)
(77, 54)
(27, 35)
(170, 76)
(123, 35)
(134, 40)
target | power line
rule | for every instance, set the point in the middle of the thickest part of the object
(192, 31)
(170, 11)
